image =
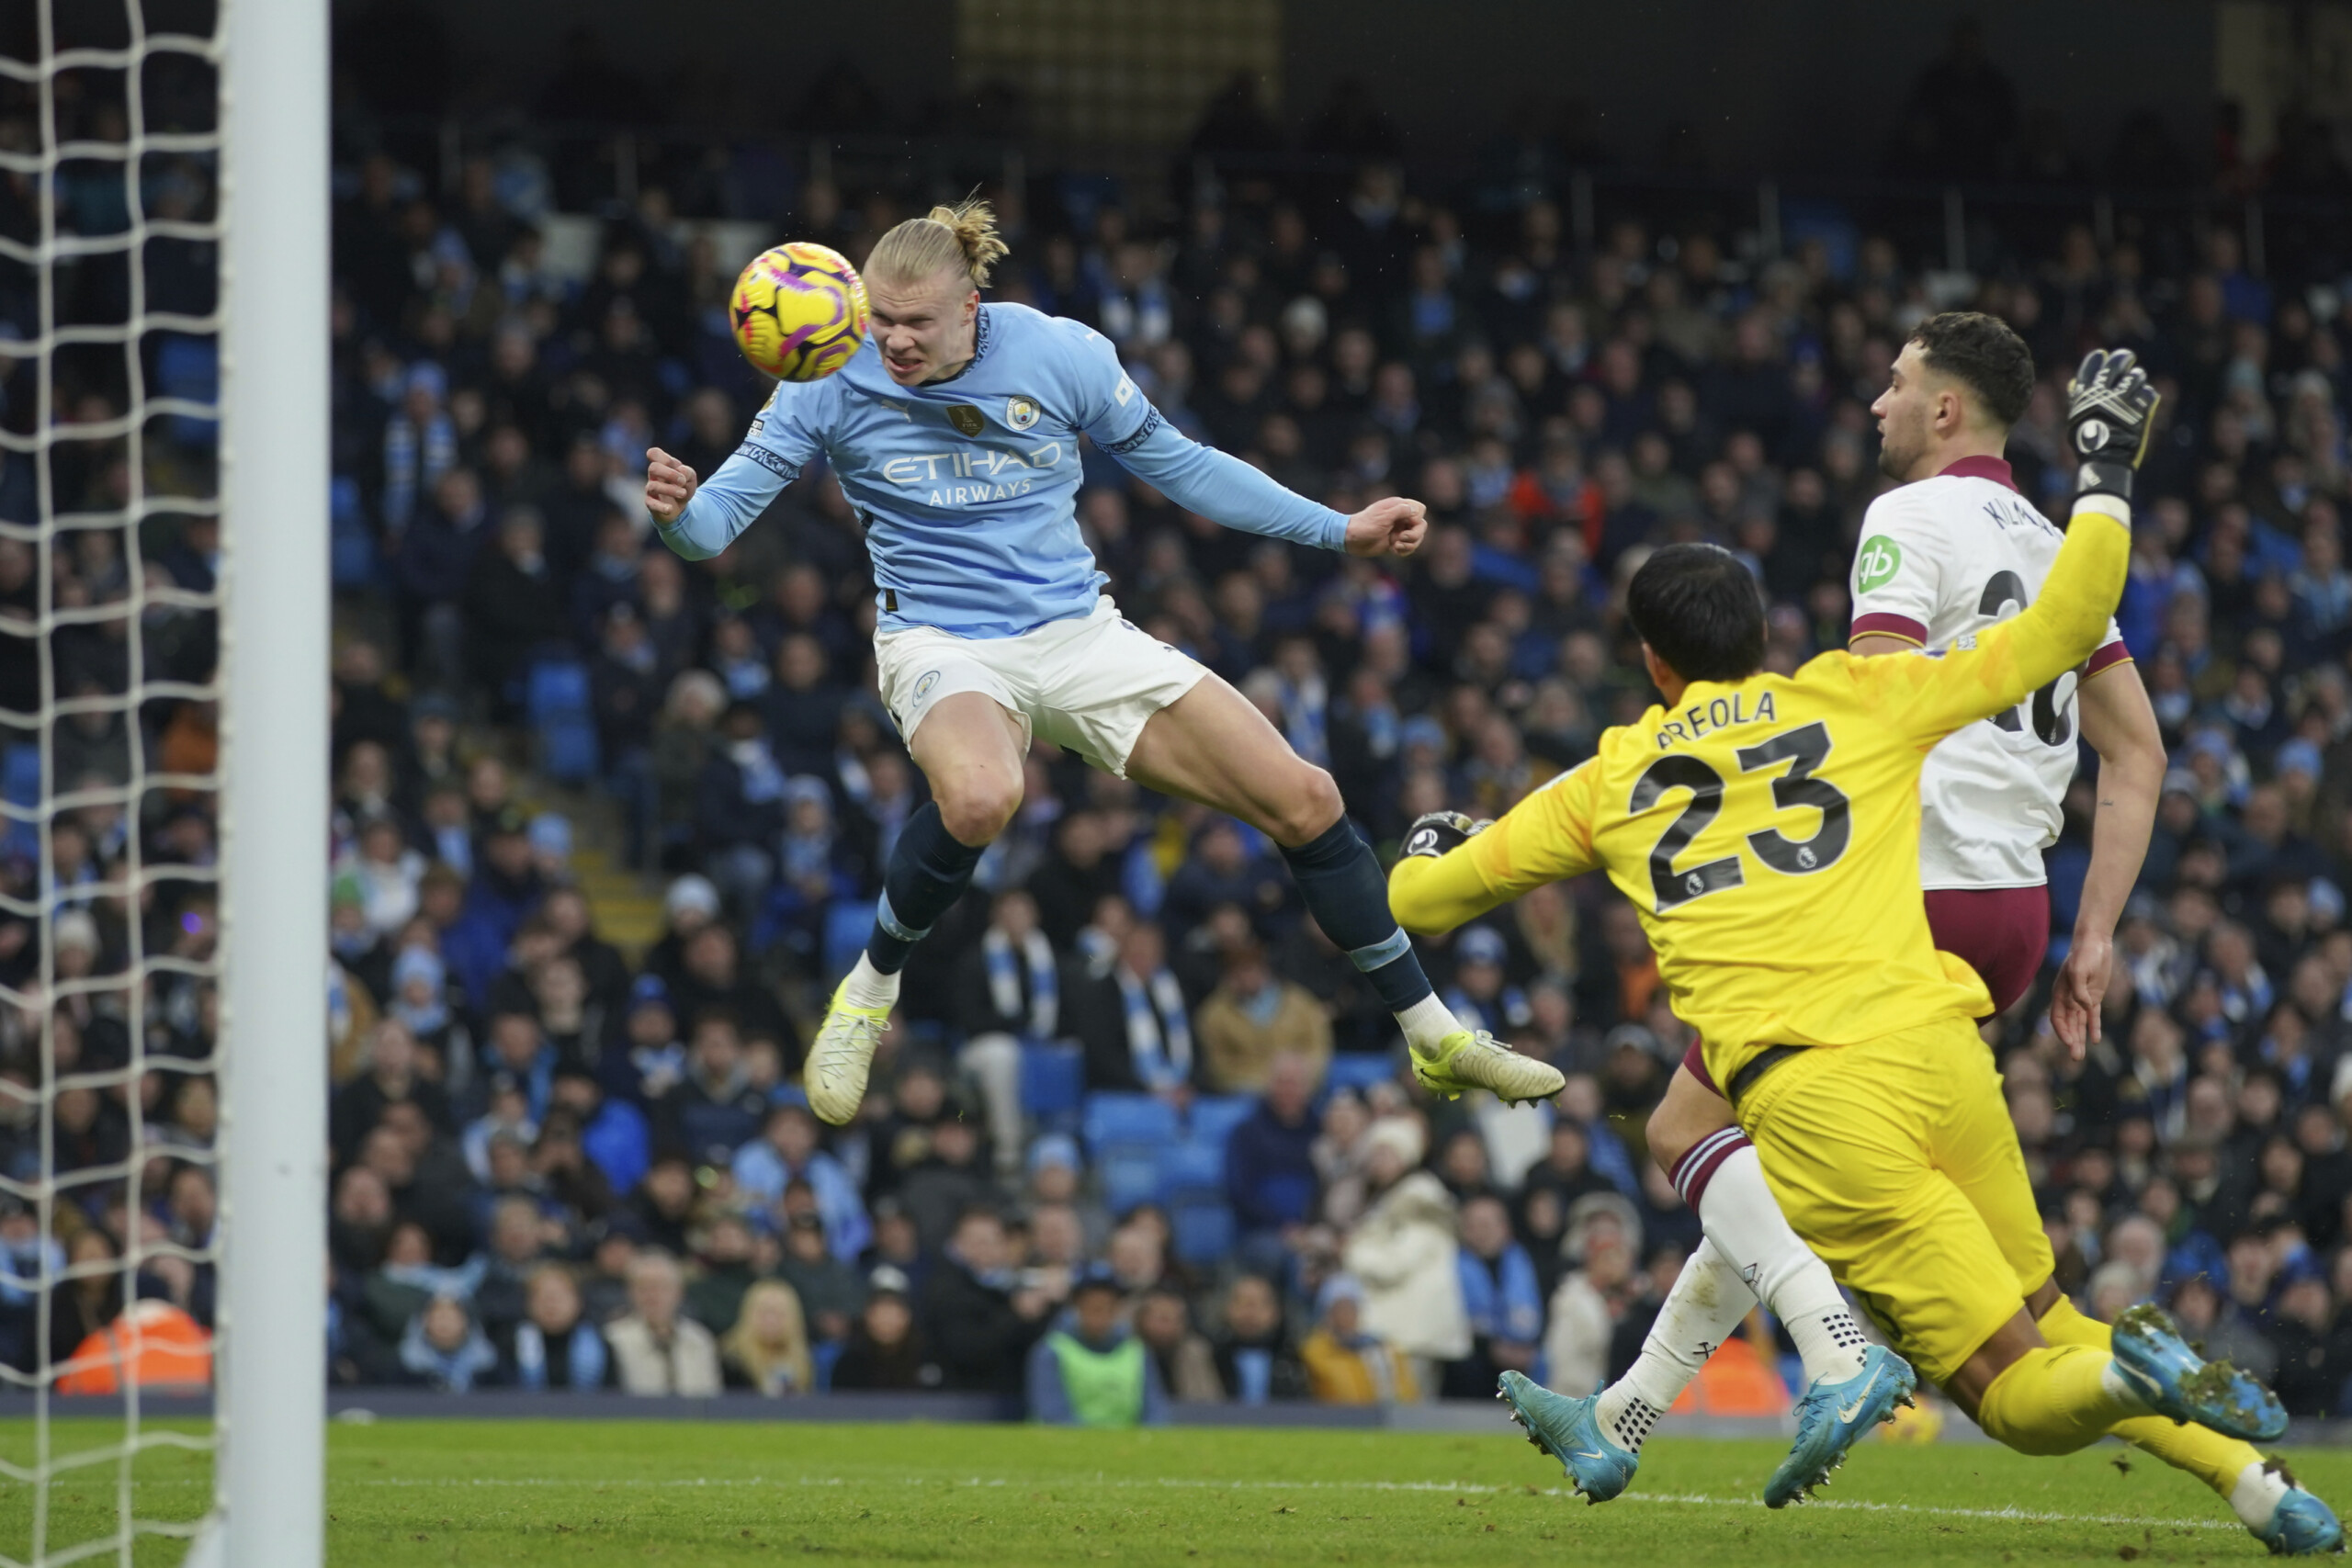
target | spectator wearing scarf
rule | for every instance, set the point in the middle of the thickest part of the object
(1133, 1021)
(445, 1348)
(555, 1346)
(1009, 994)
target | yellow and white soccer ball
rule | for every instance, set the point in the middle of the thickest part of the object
(798, 312)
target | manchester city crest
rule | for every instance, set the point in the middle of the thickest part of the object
(1020, 413)
(967, 418)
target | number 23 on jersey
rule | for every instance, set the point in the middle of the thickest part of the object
(1799, 751)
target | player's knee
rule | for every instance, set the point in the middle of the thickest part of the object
(1308, 808)
(976, 803)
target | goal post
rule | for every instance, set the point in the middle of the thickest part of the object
(270, 1391)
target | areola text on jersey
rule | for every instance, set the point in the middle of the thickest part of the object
(1941, 558)
(969, 486)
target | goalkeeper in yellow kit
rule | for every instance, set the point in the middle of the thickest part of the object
(1766, 828)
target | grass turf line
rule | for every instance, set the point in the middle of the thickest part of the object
(559, 1493)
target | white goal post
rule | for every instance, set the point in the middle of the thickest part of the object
(271, 1383)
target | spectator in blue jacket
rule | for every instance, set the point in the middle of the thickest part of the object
(1270, 1166)
(786, 1149)
(1505, 1304)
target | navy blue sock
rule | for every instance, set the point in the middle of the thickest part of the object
(929, 868)
(1339, 878)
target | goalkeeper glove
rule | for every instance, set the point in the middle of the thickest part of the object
(2110, 411)
(1440, 831)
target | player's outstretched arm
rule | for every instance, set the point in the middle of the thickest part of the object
(698, 520)
(2109, 410)
(1220, 486)
(2121, 728)
(1454, 870)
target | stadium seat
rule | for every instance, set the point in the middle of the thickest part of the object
(20, 775)
(1053, 1082)
(1359, 1070)
(567, 749)
(1111, 1118)
(557, 686)
(1127, 1174)
(1215, 1116)
(352, 541)
(1203, 1234)
(848, 923)
(188, 367)
(21, 784)
(556, 697)
(1193, 1168)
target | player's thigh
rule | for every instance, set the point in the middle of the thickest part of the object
(1690, 1111)
(1847, 1152)
(968, 732)
(969, 745)
(1097, 684)
(1212, 745)
(1976, 1144)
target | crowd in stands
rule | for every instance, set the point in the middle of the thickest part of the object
(1140, 1134)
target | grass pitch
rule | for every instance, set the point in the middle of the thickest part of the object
(528, 1494)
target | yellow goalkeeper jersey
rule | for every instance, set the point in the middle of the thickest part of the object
(1768, 829)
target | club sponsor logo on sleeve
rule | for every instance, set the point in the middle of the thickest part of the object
(1877, 562)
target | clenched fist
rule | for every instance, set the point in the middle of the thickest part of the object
(1389, 526)
(669, 485)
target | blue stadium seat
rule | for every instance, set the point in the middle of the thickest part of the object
(1360, 1069)
(189, 367)
(1215, 1116)
(1127, 1174)
(21, 784)
(1203, 1234)
(351, 543)
(557, 698)
(557, 686)
(567, 749)
(1193, 1168)
(1112, 1117)
(20, 775)
(1053, 1082)
(848, 923)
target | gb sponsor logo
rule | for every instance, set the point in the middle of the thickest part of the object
(1877, 562)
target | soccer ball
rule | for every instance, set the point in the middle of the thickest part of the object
(798, 312)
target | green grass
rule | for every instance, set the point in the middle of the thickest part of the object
(506, 1493)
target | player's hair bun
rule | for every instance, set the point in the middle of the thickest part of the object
(963, 235)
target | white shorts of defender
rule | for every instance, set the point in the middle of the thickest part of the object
(1087, 685)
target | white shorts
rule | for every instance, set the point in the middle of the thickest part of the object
(1088, 683)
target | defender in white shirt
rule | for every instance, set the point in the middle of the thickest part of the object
(1955, 549)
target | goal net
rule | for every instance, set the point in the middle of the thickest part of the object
(157, 631)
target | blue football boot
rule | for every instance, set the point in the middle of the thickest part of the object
(1567, 1430)
(1833, 1417)
(2176, 1382)
(2301, 1526)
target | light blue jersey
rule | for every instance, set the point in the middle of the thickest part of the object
(969, 486)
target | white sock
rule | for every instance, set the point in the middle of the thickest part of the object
(1742, 1218)
(868, 986)
(2258, 1493)
(1427, 1023)
(1704, 1309)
